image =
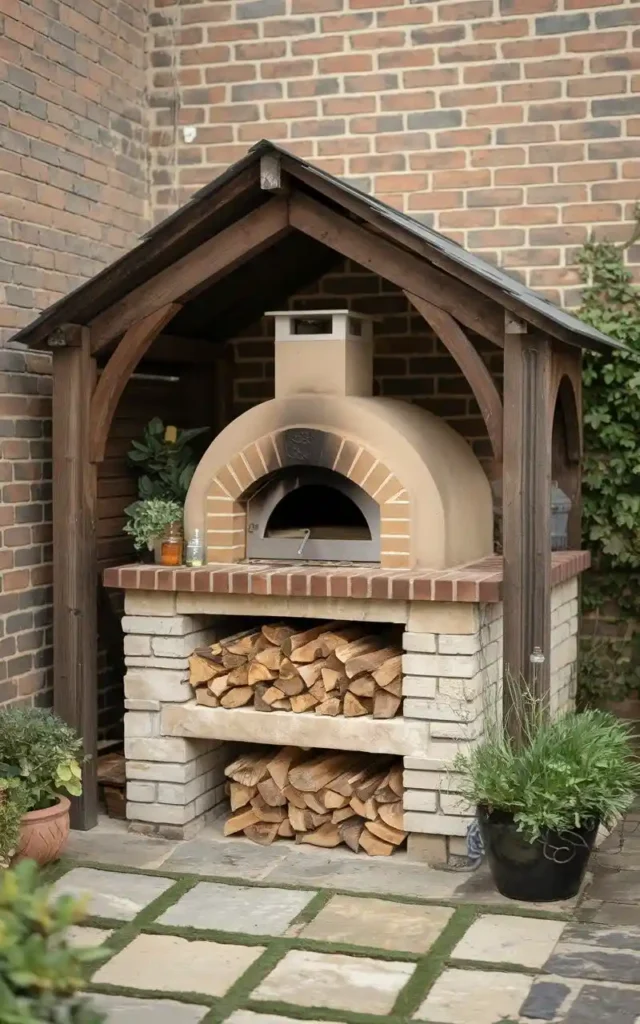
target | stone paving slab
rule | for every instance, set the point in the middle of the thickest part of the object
(229, 859)
(111, 894)
(83, 936)
(379, 923)
(335, 981)
(248, 1017)
(111, 843)
(237, 908)
(522, 941)
(166, 963)
(598, 952)
(125, 1010)
(481, 997)
(616, 887)
(597, 1005)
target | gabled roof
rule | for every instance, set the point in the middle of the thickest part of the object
(237, 192)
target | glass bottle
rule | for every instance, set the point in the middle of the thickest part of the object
(172, 545)
(195, 551)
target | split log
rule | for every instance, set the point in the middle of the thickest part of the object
(394, 687)
(369, 661)
(395, 780)
(239, 676)
(271, 658)
(211, 653)
(262, 832)
(331, 678)
(291, 687)
(271, 793)
(207, 699)
(232, 660)
(318, 691)
(392, 815)
(388, 671)
(219, 686)
(295, 641)
(332, 706)
(239, 795)
(201, 671)
(285, 829)
(241, 643)
(356, 648)
(266, 813)
(259, 702)
(284, 704)
(303, 702)
(367, 809)
(350, 832)
(239, 821)
(373, 846)
(277, 632)
(259, 673)
(341, 814)
(271, 695)
(294, 797)
(251, 768)
(288, 670)
(387, 833)
(314, 775)
(353, 707)
(385, 705)
(315, 802)
(326, 835)
(311, 674)
(280, 765)
(301, 819)
(237, 697)
(363, 686)
(332, 801)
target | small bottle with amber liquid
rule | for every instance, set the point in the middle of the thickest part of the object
(172, 545)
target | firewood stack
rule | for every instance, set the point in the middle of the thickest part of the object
(319, 797)
(331, 669)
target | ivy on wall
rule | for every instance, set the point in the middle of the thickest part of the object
(610, 661)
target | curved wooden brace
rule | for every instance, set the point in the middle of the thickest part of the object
(113, 379)
(476, 373)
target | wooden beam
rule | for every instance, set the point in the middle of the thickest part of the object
(396, 265)
(207, 263)
(472, 365)
(75, 571)
(117, 372)
(526, 493)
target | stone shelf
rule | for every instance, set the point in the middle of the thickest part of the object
(401, 736)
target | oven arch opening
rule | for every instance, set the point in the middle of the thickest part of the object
(311, 514)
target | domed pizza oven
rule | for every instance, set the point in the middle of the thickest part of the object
(326, 473)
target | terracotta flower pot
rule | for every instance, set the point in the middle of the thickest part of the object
(43, 834)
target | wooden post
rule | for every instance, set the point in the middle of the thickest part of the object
(526, 500)
(75, 573)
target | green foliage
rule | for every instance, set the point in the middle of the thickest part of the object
(41, 974)
(562, 772)
(13, 804)
(148, 519)
(611, 481)
(165, 461)
(44, 751)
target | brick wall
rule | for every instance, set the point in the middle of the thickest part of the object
(73, 190)
(510, 125)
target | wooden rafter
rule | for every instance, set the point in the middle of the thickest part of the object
(396, 265)
(470, 362)
(113, 379)
(213, 259)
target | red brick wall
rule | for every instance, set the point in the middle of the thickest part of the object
(511, 125)
(73, 192)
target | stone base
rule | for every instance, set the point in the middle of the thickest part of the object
(436, 851)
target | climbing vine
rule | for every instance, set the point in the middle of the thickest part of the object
(610, 664)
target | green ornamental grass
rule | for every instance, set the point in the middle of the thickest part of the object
(561, 775)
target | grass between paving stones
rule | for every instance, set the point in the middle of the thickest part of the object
(428, 968)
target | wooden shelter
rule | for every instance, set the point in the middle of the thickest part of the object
(267, 227)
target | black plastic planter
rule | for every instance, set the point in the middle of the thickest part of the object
(551, 868)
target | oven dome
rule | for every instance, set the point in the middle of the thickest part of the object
(433, 500)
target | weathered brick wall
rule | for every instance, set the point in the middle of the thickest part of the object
(73, 190)
(510, 125)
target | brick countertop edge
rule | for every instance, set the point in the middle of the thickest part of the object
(477, 582)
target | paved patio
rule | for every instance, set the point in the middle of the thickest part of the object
(221, 930)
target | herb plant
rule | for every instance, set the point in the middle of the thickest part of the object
(558, 776)
(41, 973)
(45, 752)
(147, 520)
(165, 461)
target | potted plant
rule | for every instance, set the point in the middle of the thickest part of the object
(148, 521)
(39, 758)
(42, 974)
(165, 463)
(541, 798)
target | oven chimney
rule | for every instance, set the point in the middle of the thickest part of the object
(325, 351)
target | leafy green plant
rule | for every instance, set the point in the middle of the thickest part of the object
(44, 751)
(13, 805)
(147, 520)
(41, 973)
(559, 774)
(165, 461)
(611, 482)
